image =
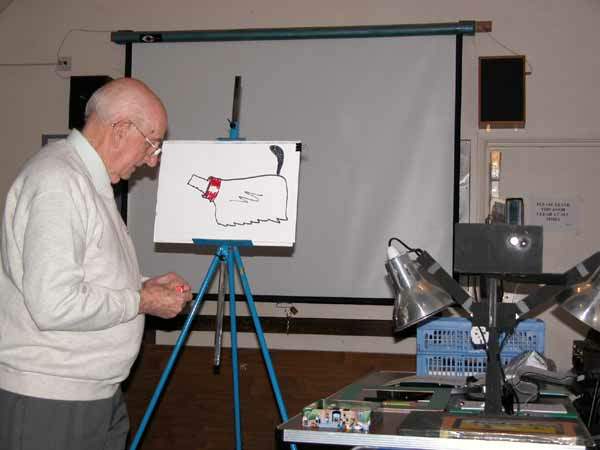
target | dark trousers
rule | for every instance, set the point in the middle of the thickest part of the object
(29, 423)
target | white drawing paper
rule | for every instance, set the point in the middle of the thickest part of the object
(228, 190)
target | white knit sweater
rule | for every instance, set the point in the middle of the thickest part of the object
(69, 282)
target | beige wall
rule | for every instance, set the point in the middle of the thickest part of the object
(561, 40)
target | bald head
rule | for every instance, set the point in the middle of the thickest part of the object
(123, 99)
(125, 123)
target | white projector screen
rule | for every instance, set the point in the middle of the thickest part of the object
(376, 120)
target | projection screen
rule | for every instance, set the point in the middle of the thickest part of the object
(376, 120)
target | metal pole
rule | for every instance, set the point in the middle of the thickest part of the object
(220, 313)
(234, 350)
(493, 377)
(261, 34)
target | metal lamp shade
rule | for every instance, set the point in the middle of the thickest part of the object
(416, 298)
(582, 301)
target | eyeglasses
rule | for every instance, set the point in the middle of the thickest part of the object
(156, 147)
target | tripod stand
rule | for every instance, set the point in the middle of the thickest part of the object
(228, 252)
(227, 257)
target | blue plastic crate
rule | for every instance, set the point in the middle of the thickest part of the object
(448, 365)
(453, 334)
(444, 346)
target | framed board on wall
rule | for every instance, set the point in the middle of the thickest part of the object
(49, 138)
(501, 92)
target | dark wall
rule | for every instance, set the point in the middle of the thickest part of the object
(81, 90)
(196, 411)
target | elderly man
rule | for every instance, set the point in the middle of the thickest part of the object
(72, 300)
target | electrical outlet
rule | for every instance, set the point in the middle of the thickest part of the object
(63, 63)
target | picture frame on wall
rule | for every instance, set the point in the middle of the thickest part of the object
(502, 91)
(49, 138)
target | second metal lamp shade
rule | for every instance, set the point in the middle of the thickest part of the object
(416, 298)
(582, 301)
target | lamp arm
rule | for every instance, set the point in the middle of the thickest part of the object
(583, 270)
(554, 293)
(436, 274)
(541, 296)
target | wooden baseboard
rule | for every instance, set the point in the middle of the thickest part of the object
(339, 327)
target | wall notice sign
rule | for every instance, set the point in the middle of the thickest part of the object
(554, 213)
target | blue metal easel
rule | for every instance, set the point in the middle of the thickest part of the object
(227, 253)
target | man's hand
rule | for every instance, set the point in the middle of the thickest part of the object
(164, 296)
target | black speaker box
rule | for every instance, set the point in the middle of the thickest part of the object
(82, 88)
(495, 249)
(501, 92)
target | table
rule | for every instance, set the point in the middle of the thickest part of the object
(429, 429)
